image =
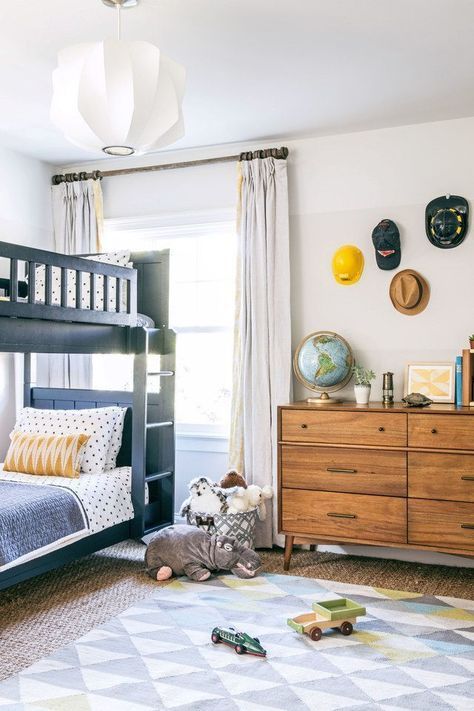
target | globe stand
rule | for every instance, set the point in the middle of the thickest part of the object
(324, 399)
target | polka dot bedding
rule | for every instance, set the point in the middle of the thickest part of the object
(120, 259)
(106, 500)
(116, 437)
(103, 424)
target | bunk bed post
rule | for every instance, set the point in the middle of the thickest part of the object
(27, 380)
(140, 402)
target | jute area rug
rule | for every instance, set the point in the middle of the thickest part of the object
(39, 616)
(411, 651)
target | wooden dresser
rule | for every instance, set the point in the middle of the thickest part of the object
(377, 475)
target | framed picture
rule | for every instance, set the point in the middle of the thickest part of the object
(435, 380)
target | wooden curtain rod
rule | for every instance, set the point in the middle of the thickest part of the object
(279, 153)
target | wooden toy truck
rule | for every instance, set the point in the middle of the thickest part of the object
(336, 614)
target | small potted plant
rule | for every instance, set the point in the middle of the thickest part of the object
(362, 377)
(471, 341)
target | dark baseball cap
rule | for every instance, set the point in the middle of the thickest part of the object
(386, 239)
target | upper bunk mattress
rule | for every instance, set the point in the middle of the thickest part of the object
(104, 500)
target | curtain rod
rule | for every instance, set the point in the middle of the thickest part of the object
(279, 153)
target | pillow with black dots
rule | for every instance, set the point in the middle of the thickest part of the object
(116, 437)
(119, 259)
(98, 423)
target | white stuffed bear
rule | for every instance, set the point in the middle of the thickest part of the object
(238, 500)
(253, 497)
(256, 497)
(205, 497)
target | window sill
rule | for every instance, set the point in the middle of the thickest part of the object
(201, 442)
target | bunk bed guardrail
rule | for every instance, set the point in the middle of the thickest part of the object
(121, 311)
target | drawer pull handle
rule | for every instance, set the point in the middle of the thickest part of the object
(340, 515)
(464, 525)
(304, 427)
(381, 429)
(434, 430)
(343, 471)
(468, 477)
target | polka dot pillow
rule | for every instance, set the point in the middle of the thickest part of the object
(116, 437)
(120, 259)
(99, 423)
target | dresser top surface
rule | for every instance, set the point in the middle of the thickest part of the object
(350, 406)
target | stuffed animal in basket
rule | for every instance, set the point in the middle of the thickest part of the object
(231, 479)
(252, 497)
(190, 551)
(205, 497)
(257, 496)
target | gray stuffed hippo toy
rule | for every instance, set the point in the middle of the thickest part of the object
(190, 551)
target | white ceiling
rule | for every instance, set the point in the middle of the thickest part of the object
(256, 69)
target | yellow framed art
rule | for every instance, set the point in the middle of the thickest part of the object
(435, 380)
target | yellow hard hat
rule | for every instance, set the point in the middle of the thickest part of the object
(347, 264)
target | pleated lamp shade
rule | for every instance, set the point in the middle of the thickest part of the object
(118, 97)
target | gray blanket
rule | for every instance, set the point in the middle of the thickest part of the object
(33, 516)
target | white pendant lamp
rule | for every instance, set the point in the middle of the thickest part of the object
(116, 96)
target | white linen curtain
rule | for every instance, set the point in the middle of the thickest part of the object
(77, 223)
(262, 346)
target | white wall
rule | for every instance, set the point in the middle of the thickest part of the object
(340, 188)
(25, 218)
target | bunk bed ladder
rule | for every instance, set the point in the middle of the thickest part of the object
(153, 453)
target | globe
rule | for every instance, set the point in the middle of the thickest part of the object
(323, 362)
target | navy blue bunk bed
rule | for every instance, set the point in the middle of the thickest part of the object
(31, 325)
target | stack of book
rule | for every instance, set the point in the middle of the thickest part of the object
(465, 376)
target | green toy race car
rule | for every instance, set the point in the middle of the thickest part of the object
(242, 642)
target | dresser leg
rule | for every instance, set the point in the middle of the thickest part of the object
(312, 547)
(288, 551)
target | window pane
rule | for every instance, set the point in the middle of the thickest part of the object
(202, 285)
(112, 372)
(203, 378)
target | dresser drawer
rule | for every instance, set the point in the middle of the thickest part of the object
(441, 431)
(377, 428)
(360, 471)
(441, 476)
(441, 524)
(344, 516)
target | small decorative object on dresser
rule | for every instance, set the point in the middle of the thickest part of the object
(377, 476)
(435, 380)
(387, 388)
(416, 400)
(323, 362)
(362, 377)
(471, 341)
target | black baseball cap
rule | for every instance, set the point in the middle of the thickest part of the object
(386, 239)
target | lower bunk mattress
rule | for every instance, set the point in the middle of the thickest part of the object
(40, 514)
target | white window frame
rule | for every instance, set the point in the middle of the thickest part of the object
(169, 226)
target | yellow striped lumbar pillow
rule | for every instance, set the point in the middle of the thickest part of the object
(49, 455)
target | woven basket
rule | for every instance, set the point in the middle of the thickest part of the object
(240, 525)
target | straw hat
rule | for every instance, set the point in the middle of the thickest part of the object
(409, 292)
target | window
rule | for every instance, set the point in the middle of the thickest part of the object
(202, 284)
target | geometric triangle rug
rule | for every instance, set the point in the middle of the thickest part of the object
(410, 651)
